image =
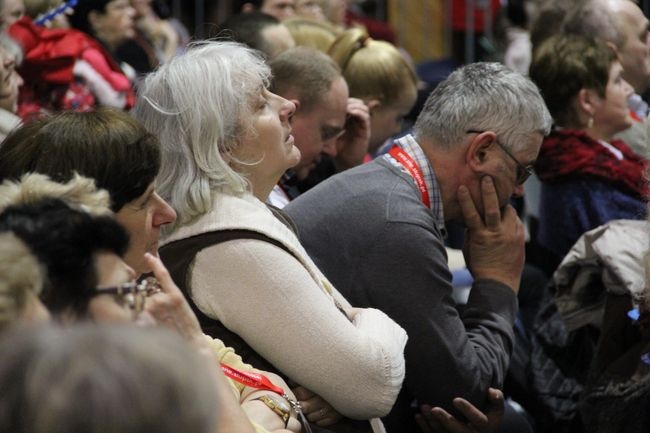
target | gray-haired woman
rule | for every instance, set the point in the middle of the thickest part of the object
(226, 140)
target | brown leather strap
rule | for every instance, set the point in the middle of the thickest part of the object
(179, 255)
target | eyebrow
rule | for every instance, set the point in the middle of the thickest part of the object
(328, 131)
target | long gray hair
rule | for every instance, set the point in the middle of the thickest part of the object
(199, 104)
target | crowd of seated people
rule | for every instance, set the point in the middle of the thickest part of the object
(238, 234)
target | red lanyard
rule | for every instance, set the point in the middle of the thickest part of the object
(259, 381)
(252, 379)
(414, 170)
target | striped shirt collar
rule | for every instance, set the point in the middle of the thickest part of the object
(413, 149)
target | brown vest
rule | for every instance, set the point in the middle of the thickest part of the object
(177, 257)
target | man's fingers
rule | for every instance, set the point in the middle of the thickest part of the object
(511, 219)
(447, 422)
(471, 216)
(495, 395)
(473, 414)
(427, 426)
(490, 203)
(356, 104)
(497, 403)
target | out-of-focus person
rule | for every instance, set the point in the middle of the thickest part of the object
(259, 31)
(281, 9)
(21, 282)
(588, 177)
(92, 379)
(10, 12)
(310, 9)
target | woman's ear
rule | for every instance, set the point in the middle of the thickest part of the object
(586, 101)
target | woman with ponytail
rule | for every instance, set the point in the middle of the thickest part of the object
(377, 73)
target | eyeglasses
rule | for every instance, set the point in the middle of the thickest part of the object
(523, 171)
(132, 294)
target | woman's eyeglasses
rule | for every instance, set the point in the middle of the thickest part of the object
(132, 294)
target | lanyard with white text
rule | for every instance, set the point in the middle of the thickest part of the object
(259, 381)
(414, 170)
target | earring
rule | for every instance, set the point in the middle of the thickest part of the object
(590, 122)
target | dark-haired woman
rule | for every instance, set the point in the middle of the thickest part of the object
(108, 146)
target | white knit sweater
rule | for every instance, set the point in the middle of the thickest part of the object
(285, 309)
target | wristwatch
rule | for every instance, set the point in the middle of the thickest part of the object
(278, 405)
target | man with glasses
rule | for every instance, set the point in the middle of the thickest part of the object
(326, 117)
(377, 231)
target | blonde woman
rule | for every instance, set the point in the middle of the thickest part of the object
(308, 32)
(378, 74)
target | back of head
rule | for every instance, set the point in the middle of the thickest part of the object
(64, 240)
(200, 104)
(563, 65)
(247, 28)
(483, 96)
(90, 379)
(106, 145)
(372, 69)
(550, 18)
(307, 32)
(305, 74)
(254, 4)
(19, 273)
(594, 19)
(79, 19)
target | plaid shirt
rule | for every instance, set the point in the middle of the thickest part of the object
(412, 148)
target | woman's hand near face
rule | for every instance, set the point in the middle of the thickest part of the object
(170, 308)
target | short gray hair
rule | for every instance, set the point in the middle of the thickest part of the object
(91, 379)
(199, 105)
(484, 96)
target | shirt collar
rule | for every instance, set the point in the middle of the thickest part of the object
(413, 149)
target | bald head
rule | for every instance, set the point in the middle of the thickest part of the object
(624, 27)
